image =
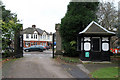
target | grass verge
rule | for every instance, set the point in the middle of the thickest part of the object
(110, 72)
(4, 60)
(68, 59)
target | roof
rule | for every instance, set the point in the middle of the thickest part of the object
(31, 30)
(28, 30)
(39, 30)
(95, 28)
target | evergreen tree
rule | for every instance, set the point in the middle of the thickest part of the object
(10, 28)
(78, 16)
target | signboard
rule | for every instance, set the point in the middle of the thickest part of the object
(87, 54)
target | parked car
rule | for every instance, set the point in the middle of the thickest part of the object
(47, 47)
(44, 48)
(34, 48)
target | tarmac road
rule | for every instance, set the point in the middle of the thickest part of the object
(34, 65)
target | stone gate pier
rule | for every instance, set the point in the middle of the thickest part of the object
(58, 40)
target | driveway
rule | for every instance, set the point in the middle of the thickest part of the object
(34, 65)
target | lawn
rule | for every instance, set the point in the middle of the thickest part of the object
(110, 72)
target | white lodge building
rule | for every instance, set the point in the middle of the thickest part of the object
(94, 43)
(36, 36)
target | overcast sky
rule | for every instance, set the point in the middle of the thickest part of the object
(42, 13)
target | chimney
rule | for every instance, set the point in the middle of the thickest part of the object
(33, 26)
(50, 33)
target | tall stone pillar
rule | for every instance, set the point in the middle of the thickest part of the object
(58, 40)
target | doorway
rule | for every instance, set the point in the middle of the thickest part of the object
(96, 44)
(96, 49)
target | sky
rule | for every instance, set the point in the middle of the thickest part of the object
(42, 13)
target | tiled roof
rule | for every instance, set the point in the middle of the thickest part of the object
(30, 30)
(39, 30)
(95, 28)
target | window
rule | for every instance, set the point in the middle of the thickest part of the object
(27, 35)
(31, 43)
(31, 35)
(36, 43)
(48, 37)
(87, 46)
(45, 44)
(41, 36)
(36, 36)
(25, 43)
(105, 46)
(45, 36)
(40, 43)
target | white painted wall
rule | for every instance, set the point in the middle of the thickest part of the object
(39, 38)
(31, 39)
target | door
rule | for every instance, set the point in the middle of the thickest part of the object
(96, 44)
(96, 49)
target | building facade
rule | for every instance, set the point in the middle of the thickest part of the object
(36, 36)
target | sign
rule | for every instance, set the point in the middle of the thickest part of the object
(87, 54)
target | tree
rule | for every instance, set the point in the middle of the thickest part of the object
(78, 16)
(118, 36)
(10, 29)
(107, 15)
(118, 26)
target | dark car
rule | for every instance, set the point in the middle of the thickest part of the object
(47, 47)
(44, 48)
(34, 48)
